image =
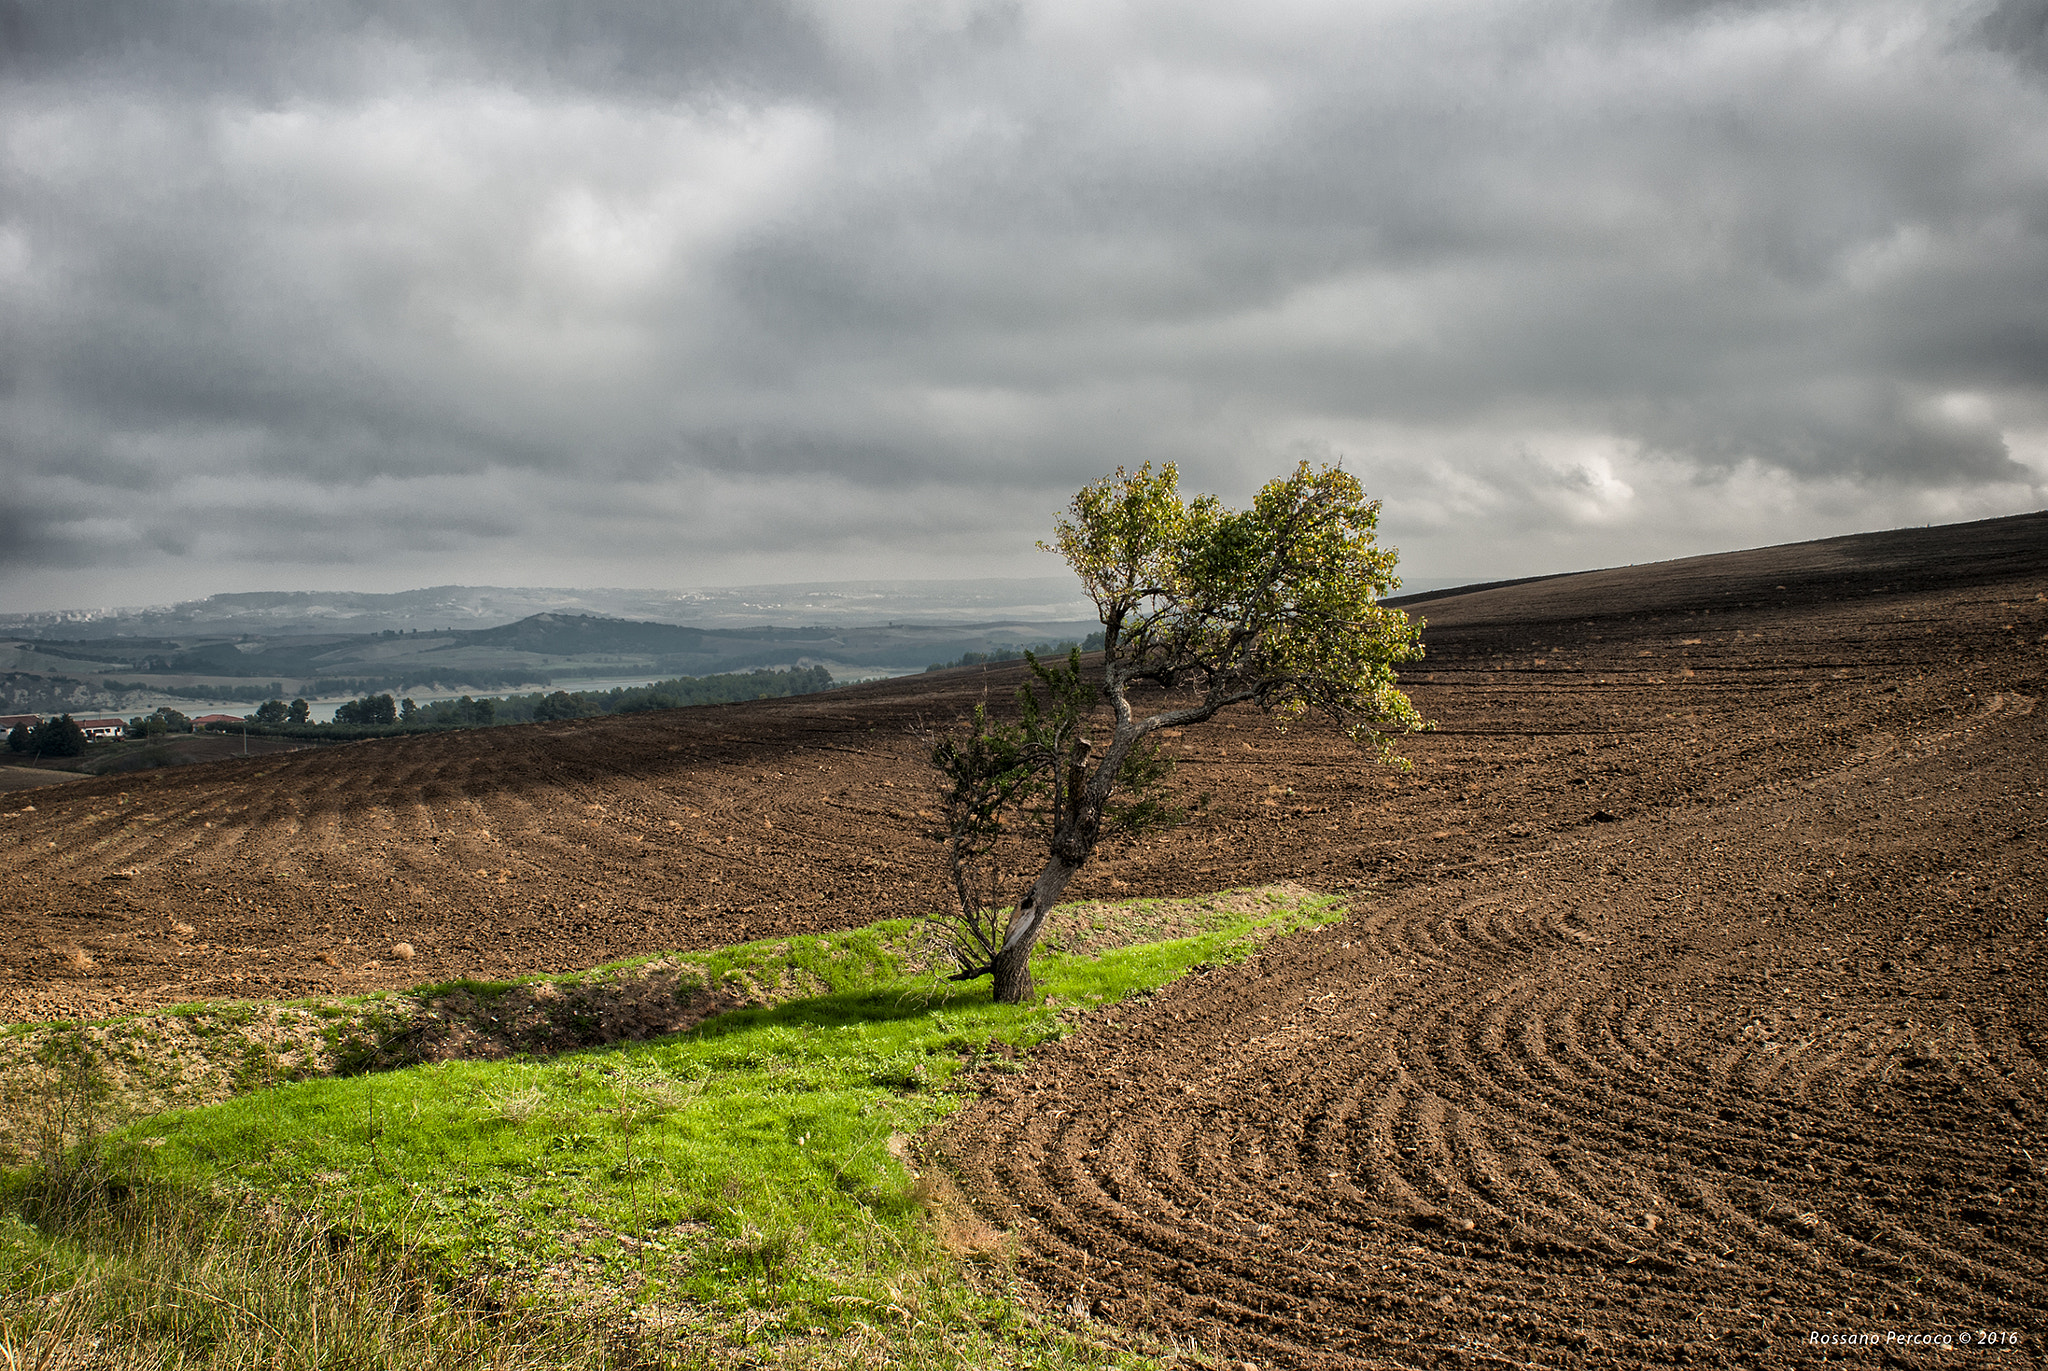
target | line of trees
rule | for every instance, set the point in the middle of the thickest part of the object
(678, 693)
(383, 715)
(482, 680)
(1091, 643)
(58, 737)
(243, 694)
(63, 737)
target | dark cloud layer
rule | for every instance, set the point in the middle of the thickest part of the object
(642, 293)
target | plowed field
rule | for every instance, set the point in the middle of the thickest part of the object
(1692, 1004)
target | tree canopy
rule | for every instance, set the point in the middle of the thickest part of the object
(371, 710)
(159, 722)
(59, 737)
(1276, 605)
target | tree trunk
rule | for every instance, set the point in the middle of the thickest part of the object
(1012, 965)
(1012, 971)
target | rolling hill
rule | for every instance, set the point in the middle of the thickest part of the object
(557, 649)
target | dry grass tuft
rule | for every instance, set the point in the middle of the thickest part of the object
(959, 1227)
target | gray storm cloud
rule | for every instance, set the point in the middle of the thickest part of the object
(378, 294)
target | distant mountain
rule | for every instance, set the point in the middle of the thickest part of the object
(113, 670)
(1042, 599)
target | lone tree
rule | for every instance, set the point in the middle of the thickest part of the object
(1202, 607)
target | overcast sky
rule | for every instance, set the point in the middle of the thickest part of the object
(383, 293)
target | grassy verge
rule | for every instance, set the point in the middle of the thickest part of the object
(736, 1194)
(110, 1277)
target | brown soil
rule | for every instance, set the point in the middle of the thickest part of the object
(1692, 1003)
(18, 772)
(31, 778)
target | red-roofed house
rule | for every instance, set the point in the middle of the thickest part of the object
(101, 730)
(205, 719)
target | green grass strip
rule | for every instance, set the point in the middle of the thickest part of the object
(739, 1184)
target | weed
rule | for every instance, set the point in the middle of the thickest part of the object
(69, 1111)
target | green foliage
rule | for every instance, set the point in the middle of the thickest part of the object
(66, 1106)
(58, 737)
(561, 705)
(761, 684)
(254, 694)
(158, 723)
(311, 732)
(679, 693)
(372, 711)
(989, 773)
(1277, 605)
(462, 713)
(1091, 643)
(21, 738)
(270, 712)
(478, 678)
